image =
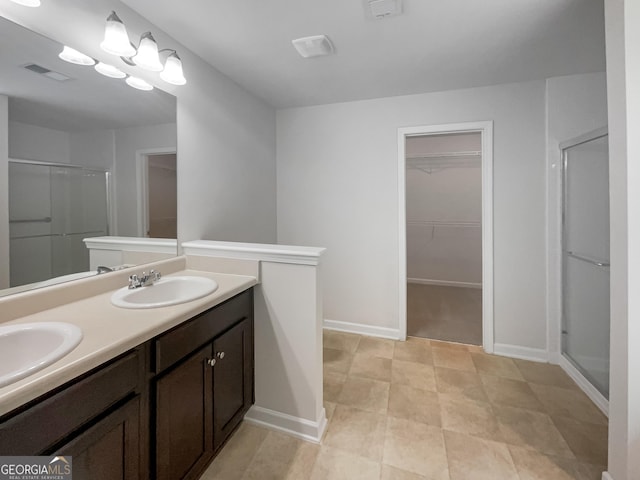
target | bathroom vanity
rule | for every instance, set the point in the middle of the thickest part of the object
(161, 410)
(156, 392)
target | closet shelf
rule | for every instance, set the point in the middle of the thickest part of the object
(435, 162)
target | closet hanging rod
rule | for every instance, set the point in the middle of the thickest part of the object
(437, 223)
(470, 153)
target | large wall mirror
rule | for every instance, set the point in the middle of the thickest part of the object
(89, 156)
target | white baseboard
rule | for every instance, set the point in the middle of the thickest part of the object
(584, 384)
(554, 357)
(606, 476)
(523, 353)
(362, 329)
(444, 283)
(294, 426)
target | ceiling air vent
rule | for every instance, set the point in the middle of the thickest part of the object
(378, 9)
(46, 72)
(314, 46)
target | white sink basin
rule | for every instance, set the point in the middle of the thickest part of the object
(166, 291)
(28, 347)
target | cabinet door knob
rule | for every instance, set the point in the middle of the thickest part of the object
(211, 362)
(220, 355)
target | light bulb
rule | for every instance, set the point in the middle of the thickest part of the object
(147, 56)
(109, 70)
(116, 41)
(138, 83)
(172, 72)
(71, 55)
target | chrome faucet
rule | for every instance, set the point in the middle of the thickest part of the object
(144, 280)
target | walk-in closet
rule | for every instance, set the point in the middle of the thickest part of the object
(444, 237)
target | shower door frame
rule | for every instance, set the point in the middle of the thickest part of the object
(565, 361)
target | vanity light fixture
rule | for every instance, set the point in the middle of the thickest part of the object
(138, 83)
(27, 3)
(172, 72)
(146, 55)
(109, 70)
(71, 55)
(116, 40)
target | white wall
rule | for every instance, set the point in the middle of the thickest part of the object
(92, 149)
(623, 87)
(226, 135)
(576, 104)
(449, 254)
(4, 191)
(32, 142)
(337, 178)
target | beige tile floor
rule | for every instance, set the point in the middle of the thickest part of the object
(431, 410)
(452, 314)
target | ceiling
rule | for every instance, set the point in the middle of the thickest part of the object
(88, 101)
(434, 45)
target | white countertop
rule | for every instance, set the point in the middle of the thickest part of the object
(109, 331)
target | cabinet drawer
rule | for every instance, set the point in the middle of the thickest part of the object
(188, 337)
(44, 424)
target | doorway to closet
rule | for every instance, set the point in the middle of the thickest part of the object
(444, 237)
(447, 256)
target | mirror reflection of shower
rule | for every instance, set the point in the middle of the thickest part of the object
(52, 208)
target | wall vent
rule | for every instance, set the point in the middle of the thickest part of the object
(46, 72)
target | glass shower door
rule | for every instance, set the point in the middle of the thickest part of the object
(52, 208)
(585, 339)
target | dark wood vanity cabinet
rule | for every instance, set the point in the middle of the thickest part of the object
(99, 419)
(110, 449)
(200, 399)
(232, 380)
(159, 411)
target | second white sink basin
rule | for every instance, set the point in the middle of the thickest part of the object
(166, 291)
(28, 347)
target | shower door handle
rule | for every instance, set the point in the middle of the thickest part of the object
(592, 261)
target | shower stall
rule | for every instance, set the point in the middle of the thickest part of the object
(52, 208)
(585, 257)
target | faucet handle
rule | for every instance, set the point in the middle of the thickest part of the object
(134, 282)
(155, 275)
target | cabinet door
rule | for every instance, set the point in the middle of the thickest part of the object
(184, 418)
(110, 449)
(232, 379)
